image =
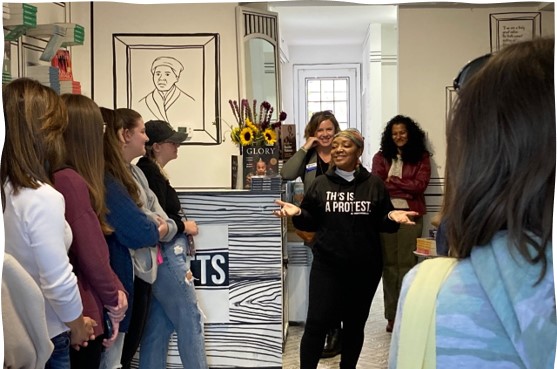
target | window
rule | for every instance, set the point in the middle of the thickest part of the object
(334, 87)
(328, 94)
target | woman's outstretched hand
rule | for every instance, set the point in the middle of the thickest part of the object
(286, 209)
(402, 216)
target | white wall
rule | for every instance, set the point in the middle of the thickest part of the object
(196, 166)
(433, 45)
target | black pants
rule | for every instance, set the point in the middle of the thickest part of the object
(338, 293)
(88, 357)
(142, 292)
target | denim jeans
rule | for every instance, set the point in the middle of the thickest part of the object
(173, 308)
(111, 358)
(60, 358)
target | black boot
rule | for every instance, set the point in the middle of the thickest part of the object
(333, 344)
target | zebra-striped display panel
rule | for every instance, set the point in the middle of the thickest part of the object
(253, 335)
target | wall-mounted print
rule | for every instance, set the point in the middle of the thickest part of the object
(510, 28)
(171, 77)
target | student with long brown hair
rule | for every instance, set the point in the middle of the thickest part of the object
(36, 233)
(80, 181)
(132, 228)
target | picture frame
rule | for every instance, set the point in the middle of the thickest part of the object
(509, 28)
(171, 77)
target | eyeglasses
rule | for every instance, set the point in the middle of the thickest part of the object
(469, 70)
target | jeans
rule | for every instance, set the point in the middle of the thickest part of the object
(60, 358)
(111, 358)
(173, 308)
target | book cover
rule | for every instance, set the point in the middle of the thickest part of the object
(62, 60)
(259, 161)
(287, 141)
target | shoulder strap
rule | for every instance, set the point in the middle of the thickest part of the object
(416, 347)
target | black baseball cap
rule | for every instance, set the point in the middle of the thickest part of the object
(160, 131)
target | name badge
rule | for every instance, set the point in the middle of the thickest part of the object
(311, 166)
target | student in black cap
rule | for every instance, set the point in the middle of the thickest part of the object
(174, 303)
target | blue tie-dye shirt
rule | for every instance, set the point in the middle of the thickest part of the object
(490, 314)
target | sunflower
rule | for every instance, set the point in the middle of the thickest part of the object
(270, 136)
(253, 127)
(246, 136)
(235, 135)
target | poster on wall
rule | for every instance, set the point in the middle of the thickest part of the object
(510, 28)
(171, 77)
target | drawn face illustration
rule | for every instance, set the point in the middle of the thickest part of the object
(164, 78)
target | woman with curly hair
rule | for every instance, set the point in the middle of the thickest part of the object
(403, 164)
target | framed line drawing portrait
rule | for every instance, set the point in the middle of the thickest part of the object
(171, 77)
(509, 28)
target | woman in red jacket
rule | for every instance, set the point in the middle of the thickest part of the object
(403, 164)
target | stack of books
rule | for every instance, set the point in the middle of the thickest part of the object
(46, 75)
(70, 87)
(266, 183)
(62, 61)
(19, 15)
(75, 34)
(18, 18)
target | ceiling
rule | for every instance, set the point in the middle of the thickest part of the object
(323, 22)
(328, 22)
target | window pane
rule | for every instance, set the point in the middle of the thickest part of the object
(341, 111)
(314, 96)
(341, 85)
(313, 85)
(341, 95)
(313, 107)
(328, 105)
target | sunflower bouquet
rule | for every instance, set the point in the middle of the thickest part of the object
(254, 125)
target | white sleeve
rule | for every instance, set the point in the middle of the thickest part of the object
(47, 230)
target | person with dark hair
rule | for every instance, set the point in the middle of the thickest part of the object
(496, 308)
(80, 180)
(309, 162)
(174, 305)
(403, 164)
(347, 207)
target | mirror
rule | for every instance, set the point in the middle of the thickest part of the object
(258, 58)
(261, 75)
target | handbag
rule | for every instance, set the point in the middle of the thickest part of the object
(417, 346)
